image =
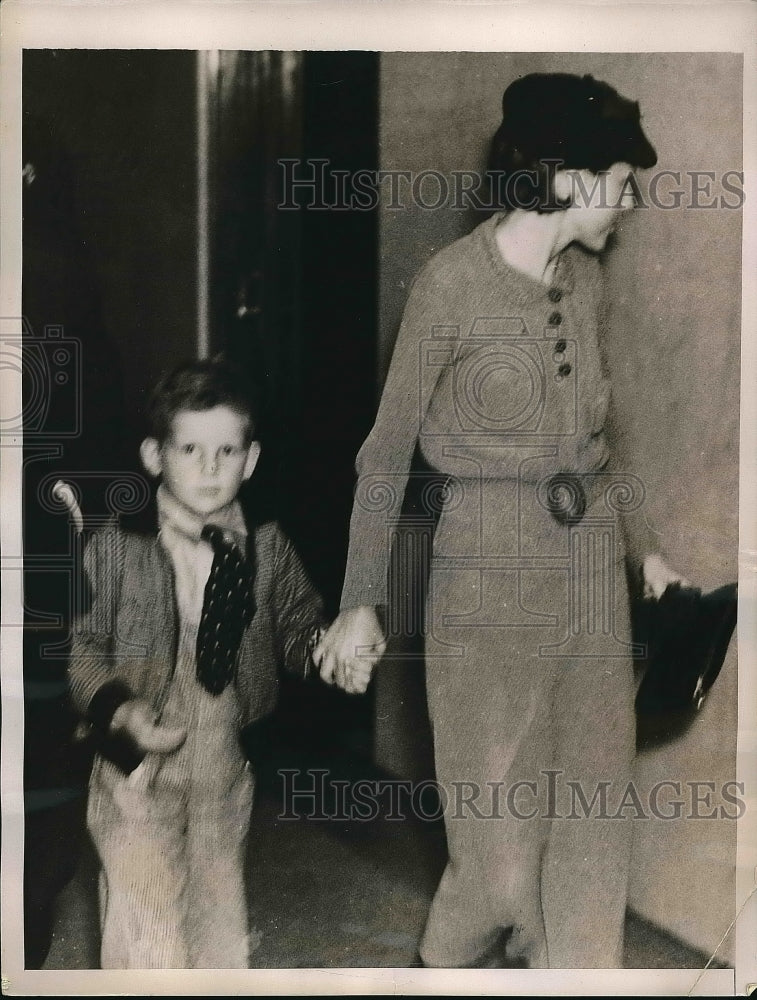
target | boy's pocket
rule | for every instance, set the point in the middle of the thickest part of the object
(130, 797)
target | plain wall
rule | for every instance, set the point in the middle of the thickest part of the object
(674, 284)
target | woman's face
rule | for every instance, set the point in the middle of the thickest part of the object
(597, 202)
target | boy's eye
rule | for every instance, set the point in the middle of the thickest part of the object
(228, 449)
(187, 449)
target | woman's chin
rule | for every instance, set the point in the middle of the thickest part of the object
(600, 242)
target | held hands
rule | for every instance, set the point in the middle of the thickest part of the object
(349, 651)
(658, 576)
(137, 719)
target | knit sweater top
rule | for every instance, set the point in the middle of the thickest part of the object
(487, 361)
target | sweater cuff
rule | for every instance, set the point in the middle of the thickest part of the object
(315, 636)
(120, 749)
(105, 701)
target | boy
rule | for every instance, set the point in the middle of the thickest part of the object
(177, 653)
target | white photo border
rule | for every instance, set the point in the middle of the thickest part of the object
(409, 26)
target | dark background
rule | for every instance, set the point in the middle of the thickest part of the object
(110, 256)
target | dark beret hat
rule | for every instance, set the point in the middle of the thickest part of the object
(580, 121)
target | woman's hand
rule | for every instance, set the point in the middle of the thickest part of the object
(137, 718)
(658, 576)
(348, 653)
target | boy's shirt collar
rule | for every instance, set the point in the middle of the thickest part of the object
(174, 515)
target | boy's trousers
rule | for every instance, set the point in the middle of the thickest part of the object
(172, 840)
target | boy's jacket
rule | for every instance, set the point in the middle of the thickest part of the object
(124, 642)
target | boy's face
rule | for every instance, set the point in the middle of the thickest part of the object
(205, 459)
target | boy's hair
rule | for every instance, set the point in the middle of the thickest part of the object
(201, 385)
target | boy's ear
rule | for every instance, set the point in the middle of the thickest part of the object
(253, 454)
(149, 452)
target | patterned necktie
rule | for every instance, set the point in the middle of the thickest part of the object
(227, 610)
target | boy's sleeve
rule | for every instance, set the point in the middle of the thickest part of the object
(96, 690)
(297, 608)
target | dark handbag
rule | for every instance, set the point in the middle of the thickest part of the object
(685, 636)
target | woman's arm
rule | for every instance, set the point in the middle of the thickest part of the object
(644, 554)
(646, 560)
(354, 644)
(383, 463)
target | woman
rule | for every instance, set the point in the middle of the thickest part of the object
(498, 377)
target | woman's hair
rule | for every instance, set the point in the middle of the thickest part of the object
(201, 385)
(554, 121)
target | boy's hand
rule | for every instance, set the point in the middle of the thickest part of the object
(137, 718)
(658, 576)
(350, 650)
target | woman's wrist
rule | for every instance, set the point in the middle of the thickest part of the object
(657, 576)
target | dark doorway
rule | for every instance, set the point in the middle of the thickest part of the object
(110, 258)
(294, 298)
